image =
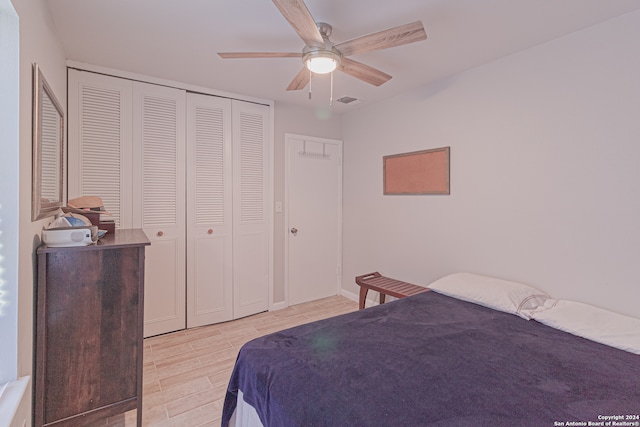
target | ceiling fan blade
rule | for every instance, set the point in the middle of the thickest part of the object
(397, 36)
(300, 81)
(363, 72)
(233, 55)
(296, 12)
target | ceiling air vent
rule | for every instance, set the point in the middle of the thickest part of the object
(347, 100)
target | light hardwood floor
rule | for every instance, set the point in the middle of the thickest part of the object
(186, 372)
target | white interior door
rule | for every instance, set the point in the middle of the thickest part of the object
(209, 201)
(251, 208)
(313, 188)
(100, 142)
(159, 201)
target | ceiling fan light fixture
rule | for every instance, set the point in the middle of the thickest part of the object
(321, 61)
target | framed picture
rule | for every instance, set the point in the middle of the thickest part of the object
(418, 172)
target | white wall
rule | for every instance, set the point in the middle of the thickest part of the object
(39, 44)
(544, 173)
(301, 121)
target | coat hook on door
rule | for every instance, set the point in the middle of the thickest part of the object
(313, 155)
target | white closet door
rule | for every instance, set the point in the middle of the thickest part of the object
(209, 204)
(159, 201)
(100, 146)
(250, 208)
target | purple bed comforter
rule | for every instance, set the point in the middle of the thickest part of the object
(431, 360)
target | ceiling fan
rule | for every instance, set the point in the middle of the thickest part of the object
(322, 56)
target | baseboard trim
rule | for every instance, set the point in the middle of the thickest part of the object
(353, 297)
(278, 306)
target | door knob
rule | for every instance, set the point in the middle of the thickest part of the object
(294, 231)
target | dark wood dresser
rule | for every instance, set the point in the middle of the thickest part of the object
(89, 327)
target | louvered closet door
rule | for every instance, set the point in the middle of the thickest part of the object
(159, 201)
(100, 146)
(209, 220)
(250, 208)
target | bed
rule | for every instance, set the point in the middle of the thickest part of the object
(468, 353)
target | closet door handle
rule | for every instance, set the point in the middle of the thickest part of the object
(210, 231)
(160, 233)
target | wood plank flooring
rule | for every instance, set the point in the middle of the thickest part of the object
(186, 372)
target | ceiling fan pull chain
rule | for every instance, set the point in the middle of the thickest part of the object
(331, 94)
(310, 76)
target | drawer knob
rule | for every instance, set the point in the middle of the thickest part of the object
(210, 231)
(160, 233)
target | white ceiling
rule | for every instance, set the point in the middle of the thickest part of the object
(178, 39)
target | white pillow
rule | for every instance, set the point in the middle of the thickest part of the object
(593, 323)
(502, 295)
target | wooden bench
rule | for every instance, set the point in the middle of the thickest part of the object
(386, 286)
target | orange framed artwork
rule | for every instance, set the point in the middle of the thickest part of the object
(418, 172)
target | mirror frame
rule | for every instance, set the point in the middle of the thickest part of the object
(40, 208)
